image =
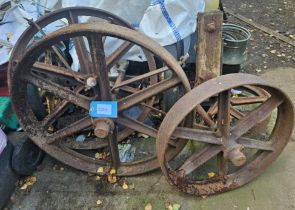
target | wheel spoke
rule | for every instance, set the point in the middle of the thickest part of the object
(223, 124)
(255, 144)
(59, 110)
(196, 135)
(236, 113)
(113, 144)
(254, 117)
(205, 116)
(59, 91)
(140, 77)
(213, 109)
(222, 165)
(136, 126)
(70, 130)
(118, 53)
(198, 158)
(248, 100)
(146, 93)
(129, 89)
(99, 65)
(80, 46)
(56, 71)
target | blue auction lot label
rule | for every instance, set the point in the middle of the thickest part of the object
(104, 109)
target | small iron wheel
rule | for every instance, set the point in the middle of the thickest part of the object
(228, 155)
(142, 91)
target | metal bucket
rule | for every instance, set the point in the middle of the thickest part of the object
(235, 44)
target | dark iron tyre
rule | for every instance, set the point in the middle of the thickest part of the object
(26, 157)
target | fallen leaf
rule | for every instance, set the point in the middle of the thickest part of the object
(170, 207)
(97, 178)
(211, 174)
(141, 135)
(100, 170)
(148, 207)
(24, 187)
(273, 51)
(113, 171)
(125, 186)
(29, 181)
(112, 179)
(98, 202)
(101, 155)
(176, 206)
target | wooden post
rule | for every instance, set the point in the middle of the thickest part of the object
(209, 46)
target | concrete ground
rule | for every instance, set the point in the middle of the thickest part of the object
(72, 189)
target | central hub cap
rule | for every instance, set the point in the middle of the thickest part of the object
(103, 128)
(91, 82)
(236, 156)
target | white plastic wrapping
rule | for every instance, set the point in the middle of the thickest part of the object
(3, 141)
(165, 21)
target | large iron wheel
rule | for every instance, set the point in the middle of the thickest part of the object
(94, 84)
(229, 156)
(38, 29)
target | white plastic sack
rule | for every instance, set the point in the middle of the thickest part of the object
(14, 24)
(165, 21)
(169, 21)
(3, 141)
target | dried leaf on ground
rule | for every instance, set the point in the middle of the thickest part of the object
(141, 135)
(100, 170)
(148, 207)
(101, 156)
(211, 174)
(125, 186)
(97, 178)
(98, 202)
(112, 179)
(29, 181)
(174, 206)
(113, 171)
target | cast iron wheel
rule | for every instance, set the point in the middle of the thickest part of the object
(71, 15)
(79, 94)
(229, 156)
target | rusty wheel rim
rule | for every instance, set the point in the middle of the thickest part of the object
(21, 75)
(228, 142)
(71, 14)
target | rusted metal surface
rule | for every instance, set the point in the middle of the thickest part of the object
(226, 138)
(54, 142)
(209, 46)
